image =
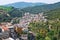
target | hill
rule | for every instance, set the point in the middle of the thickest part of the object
(8, 13)
(42, 8)
(24, 4)
(7, 9)
(53, 14)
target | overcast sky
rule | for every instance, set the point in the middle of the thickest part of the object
(2, 2)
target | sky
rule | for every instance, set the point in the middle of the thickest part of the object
(3, 2)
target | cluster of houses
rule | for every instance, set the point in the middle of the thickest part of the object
(27, 18)
(24, 22)
(4, 30)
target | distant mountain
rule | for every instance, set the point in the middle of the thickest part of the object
(42, 8)
(24, 4)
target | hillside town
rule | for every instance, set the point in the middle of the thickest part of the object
(8, 30)
(29, 19)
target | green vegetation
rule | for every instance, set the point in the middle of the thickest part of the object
(6, 8)
(8, 13)
(4, 15)
(53, 14)
(49, 30)
(44, 31)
